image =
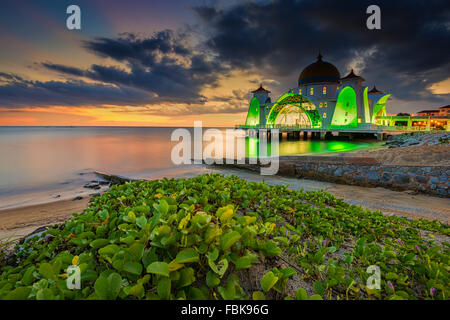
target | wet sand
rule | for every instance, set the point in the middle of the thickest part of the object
(18, 222)
(23, 220)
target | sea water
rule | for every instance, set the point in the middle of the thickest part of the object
(51, 158)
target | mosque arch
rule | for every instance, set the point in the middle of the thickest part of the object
(366, 105)
(379, 109)
(297, 105)
(293, 115)
(253, 113)
(346, 110)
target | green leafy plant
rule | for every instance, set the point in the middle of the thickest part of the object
(200, 238)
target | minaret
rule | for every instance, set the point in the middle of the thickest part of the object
(261, 94)
(263, 97)
(374, 96)
(355, 81)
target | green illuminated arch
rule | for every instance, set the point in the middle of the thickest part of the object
(288, 100)
(346, 111)
(253, 113)
(379, 109)
(366, 106)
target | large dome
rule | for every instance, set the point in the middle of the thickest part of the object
(319, 71)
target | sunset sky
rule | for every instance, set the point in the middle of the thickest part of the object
(169, 63)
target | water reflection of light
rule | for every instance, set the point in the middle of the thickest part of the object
(252, 147)
(336, 146)
(39, 156)
(303, 147)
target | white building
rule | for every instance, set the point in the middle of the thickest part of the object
(321, 99)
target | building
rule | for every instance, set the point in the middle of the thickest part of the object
(322, 99)
(444, 111)
(428, 113)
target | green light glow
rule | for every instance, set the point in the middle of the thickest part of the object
(303, 147)
(345, 113)
(253, 113)
(252, 147)
(289, 100)
(380, 108)
(366, 106)
(293, 115)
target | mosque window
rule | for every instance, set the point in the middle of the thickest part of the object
(325, 104)
(324, 115)
(321, 105)
(300, 91)
(324, 90)
(311, 91)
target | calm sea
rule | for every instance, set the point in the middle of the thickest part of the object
(40, 157)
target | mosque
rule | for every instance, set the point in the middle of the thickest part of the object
(322, 100)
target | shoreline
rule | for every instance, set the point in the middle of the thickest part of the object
(22, 214)
(21, 221)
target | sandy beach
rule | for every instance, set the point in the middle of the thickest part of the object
(21, 221)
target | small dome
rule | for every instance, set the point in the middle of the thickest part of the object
(319, 71)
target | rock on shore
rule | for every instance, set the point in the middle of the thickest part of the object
(419, 139)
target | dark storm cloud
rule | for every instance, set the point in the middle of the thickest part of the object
(162, 65)
(131, 47)
(63, 69)
(22, 93)
(159, 69)
(281, 37)
(415, 35)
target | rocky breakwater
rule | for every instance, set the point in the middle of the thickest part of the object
(362, 171)
(368, 172)
(419, 139)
